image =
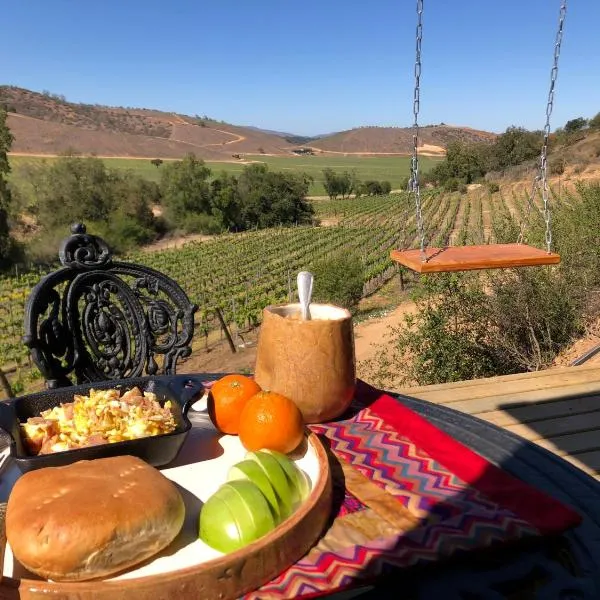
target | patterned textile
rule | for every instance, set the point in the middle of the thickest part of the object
(397, 506)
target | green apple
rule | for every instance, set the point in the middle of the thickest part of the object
(251, 470)
(250, 507)
(298, 479)
(278, 480)
(218, 526)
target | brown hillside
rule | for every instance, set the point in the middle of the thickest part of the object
(33, 136)
(48, 124)
(398, 140)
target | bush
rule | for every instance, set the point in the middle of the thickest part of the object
(386, 187)
(452, 184)
(339, 280)
(201, 223)
(557, 166)
(493, 187)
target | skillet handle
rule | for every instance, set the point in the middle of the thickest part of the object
(192, 390)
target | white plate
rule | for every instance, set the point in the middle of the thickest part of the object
(198, 471)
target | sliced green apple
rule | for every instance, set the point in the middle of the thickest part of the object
(218, 526)
(278, 480)
(252, 471)
(298, 479)
(250, 507)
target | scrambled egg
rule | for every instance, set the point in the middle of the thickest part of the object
(100, 418)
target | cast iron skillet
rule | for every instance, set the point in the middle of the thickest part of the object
(158, 450)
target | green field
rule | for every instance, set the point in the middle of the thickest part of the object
(393, 169)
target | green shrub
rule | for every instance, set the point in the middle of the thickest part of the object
(339, 280)
(201, 223)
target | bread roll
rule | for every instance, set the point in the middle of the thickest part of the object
(93, 518)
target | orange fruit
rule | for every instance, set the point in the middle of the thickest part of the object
(226, 400)
(271, 421)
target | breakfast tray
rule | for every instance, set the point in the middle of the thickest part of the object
(406, 495)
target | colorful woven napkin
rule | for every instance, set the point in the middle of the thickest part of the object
(406, 494)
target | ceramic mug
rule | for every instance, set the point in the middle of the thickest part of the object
(311, 362)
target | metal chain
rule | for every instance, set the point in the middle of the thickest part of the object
(414, 163)
(543, 172)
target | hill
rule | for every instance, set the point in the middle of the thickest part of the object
(47, 124)
(398, 140)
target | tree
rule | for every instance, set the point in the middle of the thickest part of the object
(226, 202)
(186, 191)
(269, 198)
(7, 246)
(74, 189)
(331, 183)
(594, 122)
(386, 187)
(157, 162)
(513, 147)
(373, 188)
(575, 125)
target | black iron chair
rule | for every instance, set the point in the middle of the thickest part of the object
(98, 319)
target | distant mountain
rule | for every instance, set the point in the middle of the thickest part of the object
(398, 140)
(48, 124)
(292, 138)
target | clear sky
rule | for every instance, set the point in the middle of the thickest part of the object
(309, 66)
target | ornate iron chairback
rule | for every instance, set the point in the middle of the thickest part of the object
(97, 319)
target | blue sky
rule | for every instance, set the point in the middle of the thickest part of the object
(310, 66)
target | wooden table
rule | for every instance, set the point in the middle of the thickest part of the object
(558, 409)
(570, 564)
(513, 571)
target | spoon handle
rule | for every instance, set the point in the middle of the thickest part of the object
(305, 286)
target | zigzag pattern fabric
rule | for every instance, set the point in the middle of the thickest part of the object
(450, 516)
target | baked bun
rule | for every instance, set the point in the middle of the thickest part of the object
(92, 518)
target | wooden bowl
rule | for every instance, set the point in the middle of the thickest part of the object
(214, 576)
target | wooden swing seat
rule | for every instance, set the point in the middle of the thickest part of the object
(470, 258)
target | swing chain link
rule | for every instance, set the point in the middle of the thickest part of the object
(549, 106)
(543, 170)
(414, 164)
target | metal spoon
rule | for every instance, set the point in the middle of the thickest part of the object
(305, 287)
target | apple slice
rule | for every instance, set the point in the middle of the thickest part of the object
(277, 478)
(250, 508)
(218, 526)
(251, 470)
(299, 482)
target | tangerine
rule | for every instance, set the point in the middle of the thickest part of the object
(226, 400)
(271, 421)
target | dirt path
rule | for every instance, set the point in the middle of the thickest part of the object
(219, 358)
(372, 332)
(425, 151)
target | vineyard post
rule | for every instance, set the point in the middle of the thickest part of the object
(5, 385)
(225, 330)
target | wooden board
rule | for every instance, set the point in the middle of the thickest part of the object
(558, 409)
(226, 576)
(470, 258)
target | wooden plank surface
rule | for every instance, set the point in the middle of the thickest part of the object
(469, 258)
(558, 409)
